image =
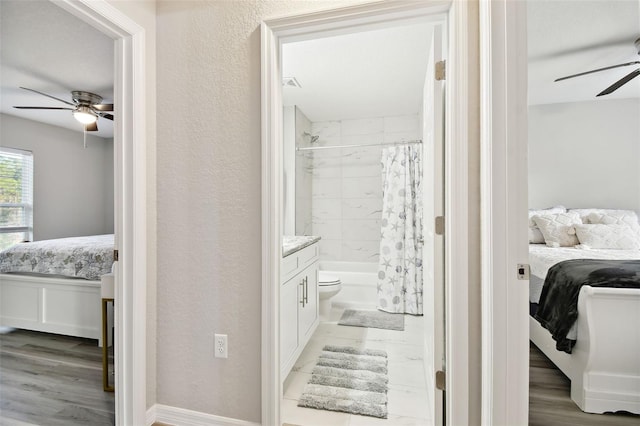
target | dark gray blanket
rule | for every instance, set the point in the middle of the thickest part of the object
(558, 305)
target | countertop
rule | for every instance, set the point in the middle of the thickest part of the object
(293, 243)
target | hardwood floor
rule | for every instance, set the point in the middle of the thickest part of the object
(48, 379)
(550, 402)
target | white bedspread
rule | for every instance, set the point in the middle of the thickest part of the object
(78, 257)
(542, 257)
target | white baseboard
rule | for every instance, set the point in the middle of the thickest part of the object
(181, 417)
(151, 416)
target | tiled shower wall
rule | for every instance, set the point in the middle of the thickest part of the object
(303, 160)
(346, 191)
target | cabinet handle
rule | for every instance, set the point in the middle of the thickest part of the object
(302, 301)
(306, 290)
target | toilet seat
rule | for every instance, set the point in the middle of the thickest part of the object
(326, 280)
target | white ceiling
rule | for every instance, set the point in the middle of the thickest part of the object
(569, 37)
(381, 72)
(366, 74)
(47, 49)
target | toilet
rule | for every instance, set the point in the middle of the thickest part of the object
(328, 286)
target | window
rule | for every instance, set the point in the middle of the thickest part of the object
(16, 196)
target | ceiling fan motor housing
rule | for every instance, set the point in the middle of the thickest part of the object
(85, 98)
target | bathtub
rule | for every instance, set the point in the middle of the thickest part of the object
(359, 283)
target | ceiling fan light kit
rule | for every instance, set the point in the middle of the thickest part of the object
(84, 115)
(618, 84)
(87, 107)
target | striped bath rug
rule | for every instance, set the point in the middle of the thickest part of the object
(349, 380)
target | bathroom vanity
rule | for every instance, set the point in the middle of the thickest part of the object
(298, 297)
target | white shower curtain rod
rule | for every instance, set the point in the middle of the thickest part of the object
(312, 148)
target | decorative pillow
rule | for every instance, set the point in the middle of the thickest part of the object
(614, 217)
(535, 236)
(558, 229)
(584, 213)
(603, 236)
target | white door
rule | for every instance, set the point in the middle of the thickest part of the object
(433, 252)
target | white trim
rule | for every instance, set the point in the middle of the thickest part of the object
(332, 22)
(271, 225)
(180, 416)
(505, 328)
(151, 416)
(129, 199)
(457, 217)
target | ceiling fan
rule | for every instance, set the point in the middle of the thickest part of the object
(86, 107)
(618, 84)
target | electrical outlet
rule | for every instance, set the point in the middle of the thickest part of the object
(220, 346)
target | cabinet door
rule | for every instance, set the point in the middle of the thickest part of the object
(309, 313)
(289, 297)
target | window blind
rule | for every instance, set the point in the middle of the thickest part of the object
(16, 196)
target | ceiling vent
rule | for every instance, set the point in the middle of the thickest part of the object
(290, 82)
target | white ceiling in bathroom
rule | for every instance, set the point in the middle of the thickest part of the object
(367, 74)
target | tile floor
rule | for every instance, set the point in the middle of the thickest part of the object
(407, 395)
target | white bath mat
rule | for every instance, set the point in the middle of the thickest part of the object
(372, 319)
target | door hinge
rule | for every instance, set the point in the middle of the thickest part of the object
(523, 271)
(115, 255)
(441, 70)
(439, 225)
(441, 380)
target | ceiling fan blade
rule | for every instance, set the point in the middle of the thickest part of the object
(102, 107)
(618, 84)
(27, 107)
(93, 127)
(598, 70)
(107, 116)
(48, 96)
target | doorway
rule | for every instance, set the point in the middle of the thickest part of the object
(358, 100)
(130, 196)
(274, 33)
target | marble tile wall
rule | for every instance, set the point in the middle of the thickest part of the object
(303, 184)
(346, 195)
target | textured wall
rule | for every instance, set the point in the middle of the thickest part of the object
(209, 211)
(73, 186)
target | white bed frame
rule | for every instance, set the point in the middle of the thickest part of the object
(604, 366)
(54, 305)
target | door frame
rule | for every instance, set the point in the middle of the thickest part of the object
(505, 324)
(130, 215)
(456, 177)
(433, 206)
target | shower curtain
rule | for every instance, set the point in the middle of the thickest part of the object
(400, 265)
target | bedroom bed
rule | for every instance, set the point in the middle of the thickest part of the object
(54, 286)
(600, 351)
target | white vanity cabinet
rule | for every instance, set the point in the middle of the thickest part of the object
(298, 304)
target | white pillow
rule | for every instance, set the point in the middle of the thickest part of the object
(614, 217)
(603, 236)
(558, 229)
(535, 236)
(584, 213)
